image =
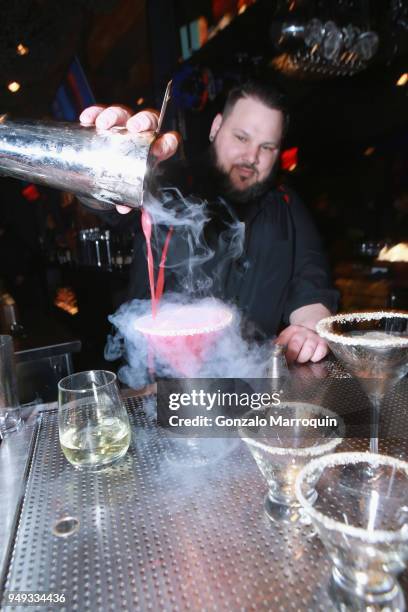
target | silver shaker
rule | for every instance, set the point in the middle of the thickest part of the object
(277, 370)
(277, 366)
(109, 166)
(102, 167)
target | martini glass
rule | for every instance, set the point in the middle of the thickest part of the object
(282, 439)
(363, 525)
(373, 346)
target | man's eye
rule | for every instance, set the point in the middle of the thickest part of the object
(240, 138)
(269, 148)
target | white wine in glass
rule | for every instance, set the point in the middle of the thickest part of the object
(94, 428)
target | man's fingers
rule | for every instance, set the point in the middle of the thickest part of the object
(321, 351)
(307, 350)
(293, 349)
(144, 121)
(302, 344)
(106, 117)
(166, 145)
(147, 120)
(88, 116)
(113, 115)
(286, 334)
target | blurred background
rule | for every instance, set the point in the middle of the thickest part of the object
(344, 67)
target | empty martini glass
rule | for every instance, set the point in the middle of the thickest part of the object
(362, 523)
(373, 346)
(282, 439)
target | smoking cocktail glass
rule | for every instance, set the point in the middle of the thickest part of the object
(282, 439)
(94, 427)
(373, 346)
(363, 523)
(181, 336)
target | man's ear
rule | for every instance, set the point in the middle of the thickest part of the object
(215, 126)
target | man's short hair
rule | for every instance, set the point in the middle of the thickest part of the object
(264, 92)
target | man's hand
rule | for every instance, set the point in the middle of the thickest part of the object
(303, 344)
(104, 118)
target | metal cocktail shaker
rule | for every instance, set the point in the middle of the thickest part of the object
(277, 368)
(109, 166)
(102, 167)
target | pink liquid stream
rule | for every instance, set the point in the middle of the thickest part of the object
(156, 292)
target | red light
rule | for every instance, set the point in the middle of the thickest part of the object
(31, 193)
(289, 158)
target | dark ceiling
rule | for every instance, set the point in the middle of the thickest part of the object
(54, 32)
(349, 109)
(112, 40)
(51, 32)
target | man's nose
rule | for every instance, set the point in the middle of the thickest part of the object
(252, 155)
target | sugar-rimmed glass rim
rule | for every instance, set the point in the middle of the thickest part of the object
(323, 328)
(305, 451)
(97, 385)
(335, 459)
(187, 330)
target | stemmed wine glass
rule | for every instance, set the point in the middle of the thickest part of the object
(373, 346)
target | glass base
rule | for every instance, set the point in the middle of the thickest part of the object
(99, 467)
(363, 481)
(348, 595)
(10, 424)
(281, 513)
(285, 510)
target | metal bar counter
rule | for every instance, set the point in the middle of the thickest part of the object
(168, 528)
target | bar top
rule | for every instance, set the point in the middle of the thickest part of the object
(177, 525)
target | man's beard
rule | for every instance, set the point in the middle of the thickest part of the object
(225, 188)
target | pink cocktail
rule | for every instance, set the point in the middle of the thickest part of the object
(181, 336)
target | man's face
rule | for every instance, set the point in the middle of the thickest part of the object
(246, 143)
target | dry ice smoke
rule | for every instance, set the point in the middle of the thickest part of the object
(228, 355)
(204, 230)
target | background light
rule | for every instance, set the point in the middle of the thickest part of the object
(13, 86)
(289, 159)
(21, 49)
(403, 80)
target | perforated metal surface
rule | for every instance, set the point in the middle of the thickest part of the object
(170, 528)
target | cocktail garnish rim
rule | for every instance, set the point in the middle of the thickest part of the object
(324, 325)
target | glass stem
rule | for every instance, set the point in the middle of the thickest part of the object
(375, 402)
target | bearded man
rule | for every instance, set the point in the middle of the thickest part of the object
(261, 249)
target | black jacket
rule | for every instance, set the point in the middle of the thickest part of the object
(282, 266)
